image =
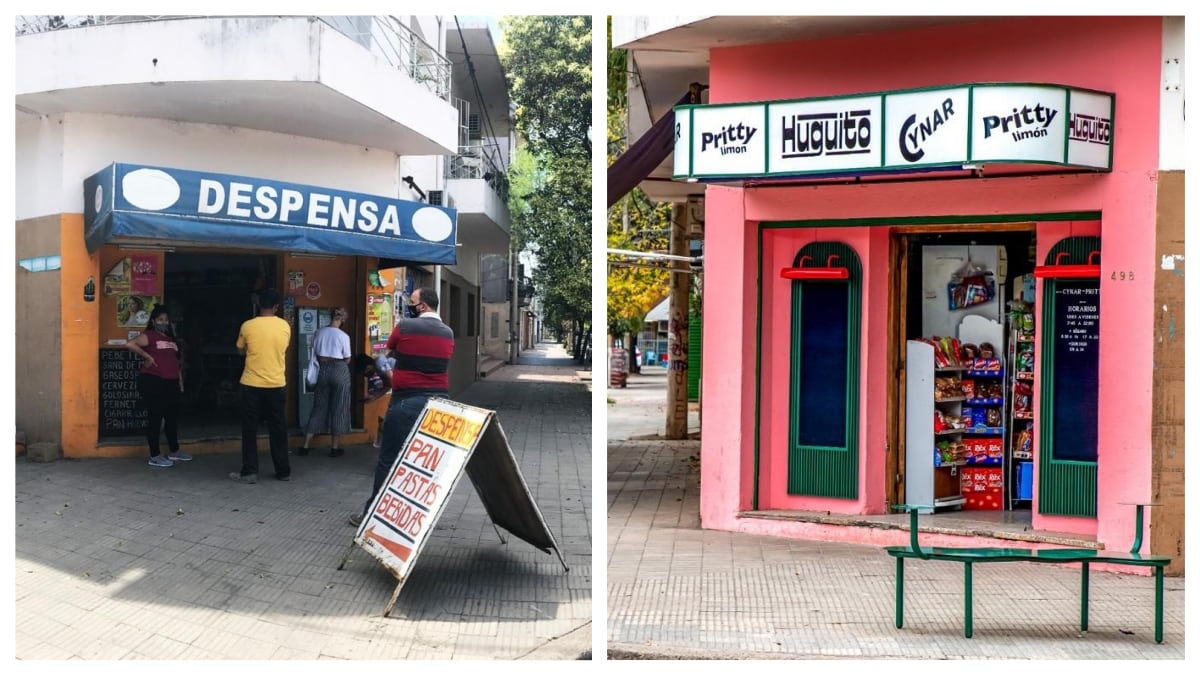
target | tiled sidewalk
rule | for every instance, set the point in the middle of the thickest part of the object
(116, 560)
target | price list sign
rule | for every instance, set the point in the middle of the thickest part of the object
(121, 411)
(1076, 368)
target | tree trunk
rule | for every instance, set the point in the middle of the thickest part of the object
(677, 336)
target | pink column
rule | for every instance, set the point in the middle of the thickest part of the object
(727, 444)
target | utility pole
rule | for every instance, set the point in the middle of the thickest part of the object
(677, 332)
(514, 330)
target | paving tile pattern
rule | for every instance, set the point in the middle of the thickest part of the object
(675, 588)
(118, 560)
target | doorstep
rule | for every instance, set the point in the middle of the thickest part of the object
(489, 365)
(987, 525)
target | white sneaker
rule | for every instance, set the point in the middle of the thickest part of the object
(179, 457)
(159, 460)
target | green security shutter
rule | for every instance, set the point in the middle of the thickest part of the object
(1066, 484)
(823, 408)
(694, 359)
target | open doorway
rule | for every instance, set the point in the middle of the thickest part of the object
(964, 313)
(209, 295)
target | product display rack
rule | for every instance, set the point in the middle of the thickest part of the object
(955, 433)
(927, 479)
(1021, 412)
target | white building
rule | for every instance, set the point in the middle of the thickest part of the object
(362, 122)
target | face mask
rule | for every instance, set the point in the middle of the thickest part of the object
(162, 326)
(413, 312)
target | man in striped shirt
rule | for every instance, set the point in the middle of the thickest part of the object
(422, 346)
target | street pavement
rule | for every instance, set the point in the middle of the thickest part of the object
(119, 560)
(676, 591)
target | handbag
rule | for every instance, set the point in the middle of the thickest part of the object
(314, 368)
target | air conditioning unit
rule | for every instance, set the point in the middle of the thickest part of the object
(473, 129)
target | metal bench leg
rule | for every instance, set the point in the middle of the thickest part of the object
(967, 628)
(1083, 607)
(899, 592)
(1158, 604)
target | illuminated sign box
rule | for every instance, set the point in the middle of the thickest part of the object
(956, 127)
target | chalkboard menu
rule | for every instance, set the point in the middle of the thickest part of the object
(121, 412)
(1076, 344)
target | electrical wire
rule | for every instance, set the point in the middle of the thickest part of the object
(475, 84)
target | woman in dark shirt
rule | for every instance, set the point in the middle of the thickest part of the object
(159, 384)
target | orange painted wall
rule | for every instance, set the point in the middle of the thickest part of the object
(87, 326)
(80, 342)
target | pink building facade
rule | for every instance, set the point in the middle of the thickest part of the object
(754, 230)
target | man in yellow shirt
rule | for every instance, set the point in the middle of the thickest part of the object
(264, 340)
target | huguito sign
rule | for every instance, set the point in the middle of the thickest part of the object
(448, 438)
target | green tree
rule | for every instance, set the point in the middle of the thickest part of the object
(548, 61)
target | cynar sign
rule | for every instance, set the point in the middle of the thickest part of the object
(448, 439)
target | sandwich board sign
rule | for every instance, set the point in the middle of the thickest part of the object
(448, 440)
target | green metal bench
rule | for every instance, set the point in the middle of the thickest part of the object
(970, 556)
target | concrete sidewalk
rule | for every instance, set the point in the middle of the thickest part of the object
(118, 560)
(677, 591)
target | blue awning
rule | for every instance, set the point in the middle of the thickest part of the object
(130, 203)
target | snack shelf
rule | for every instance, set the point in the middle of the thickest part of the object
(1022, 362)
(983, 431)
(985, 373)
(941, 464)
(984, 401)
(951, 399)
(987, 461)
(950, 369)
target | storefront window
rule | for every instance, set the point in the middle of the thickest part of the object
(823, 426)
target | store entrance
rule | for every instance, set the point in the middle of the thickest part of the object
(209, 295)
(965, 418)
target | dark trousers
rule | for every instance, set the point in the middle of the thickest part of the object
(271, 402)
(161, 400)
(402, 416)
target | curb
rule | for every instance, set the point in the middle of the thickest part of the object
(574, 645)
(631, 652)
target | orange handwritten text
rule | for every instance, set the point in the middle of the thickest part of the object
(454, 429)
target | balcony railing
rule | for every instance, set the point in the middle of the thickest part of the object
(479, 162)
(384, 36)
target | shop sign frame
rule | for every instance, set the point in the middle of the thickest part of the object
(448, 441)
(953, 127)
(139, 204)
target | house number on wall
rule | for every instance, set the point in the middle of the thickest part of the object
(1122, 275)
